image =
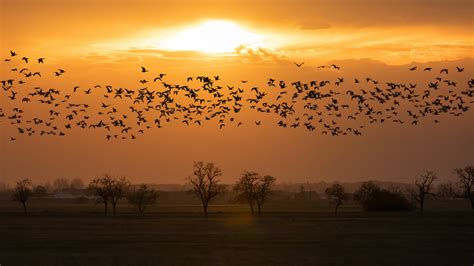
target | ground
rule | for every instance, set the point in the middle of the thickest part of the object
(73, 233)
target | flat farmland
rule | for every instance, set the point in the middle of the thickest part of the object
(64, 232)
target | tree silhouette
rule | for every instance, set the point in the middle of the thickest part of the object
(117, 190)
(424, 184)
(336, 195)
(142, 197)
(246, 187)
(76, 183)
(447, 190)
(109, 190)
(466, 181)
(263, 190)
(366, 193)
(205, 182)
(40, 191)
(22, 192)
(99, 187)
(374, 198)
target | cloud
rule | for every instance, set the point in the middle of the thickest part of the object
(313, 25)
(259, 55)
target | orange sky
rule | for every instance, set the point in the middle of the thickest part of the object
(106, 42)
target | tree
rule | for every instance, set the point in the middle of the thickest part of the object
(205, 182)
(263, 190)
(61, 183)
(254, 189)
(76, 183)
(109, 190)
(336, 195)
(373, 198)
(142, 197)
(246, 187)
(117, 191)
(366, 194)
(40, 191)
(447, 191)
(3, 187)
(423, 184)
(466, 181)
(22, 192)
(100, 187)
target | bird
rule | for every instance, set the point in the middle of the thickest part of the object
(377, 102)
(144, 69)
(160, 77)
(40, 60)
(298, 64)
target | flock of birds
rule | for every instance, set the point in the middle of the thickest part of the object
(319, 105)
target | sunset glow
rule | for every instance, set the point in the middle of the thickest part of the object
(236, 132)
(213, 36)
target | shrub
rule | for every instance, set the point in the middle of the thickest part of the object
(142, 197)
(374, 198)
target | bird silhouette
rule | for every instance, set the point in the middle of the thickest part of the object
(298, 64)
(329, 107)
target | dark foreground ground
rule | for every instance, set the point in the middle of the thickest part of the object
(181, 236)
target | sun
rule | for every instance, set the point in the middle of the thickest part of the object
(215, 36)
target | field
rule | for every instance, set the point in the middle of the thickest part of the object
(66, 232)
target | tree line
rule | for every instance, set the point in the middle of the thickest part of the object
(254, 189)
(374, 198)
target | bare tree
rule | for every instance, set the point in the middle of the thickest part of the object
(263, 190)
(109, 190)
(40, 191)
(142, 197)
(205, 182)
(3, 186)
(336, 195)
(117, 191)
(447, 191)
(22, 192)
(61, 183)
(423, 184)
(100, 187)
(76, 183)
(246, 187)
(466, 181)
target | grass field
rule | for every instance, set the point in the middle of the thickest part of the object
(64, 232)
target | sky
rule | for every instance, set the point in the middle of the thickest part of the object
(106, 42)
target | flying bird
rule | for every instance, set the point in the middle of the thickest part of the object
(299, 64)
